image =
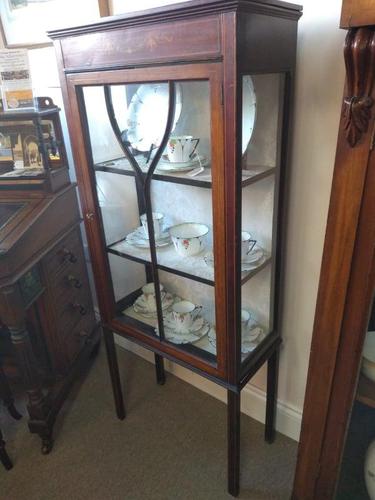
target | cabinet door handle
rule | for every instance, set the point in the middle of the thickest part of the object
(69, 256)
(80, 308)
(75, 282)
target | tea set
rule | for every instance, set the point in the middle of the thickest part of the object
(183, 322)
(181, 155)
(251, 333)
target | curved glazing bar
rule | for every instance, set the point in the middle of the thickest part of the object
(144, 182)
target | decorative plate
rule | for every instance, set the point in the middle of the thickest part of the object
(249, 106)
(147, 115)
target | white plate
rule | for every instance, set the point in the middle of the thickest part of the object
(139, 306)
(186, 338)
(252, 261)
(249, 106)
(246, 345)
(138, 239)
(148, 112)
(167, 166)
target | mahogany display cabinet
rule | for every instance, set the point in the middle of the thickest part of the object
(179, 120)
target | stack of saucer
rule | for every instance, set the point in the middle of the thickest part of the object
(165, 165)
(138, 239)
(145, 304)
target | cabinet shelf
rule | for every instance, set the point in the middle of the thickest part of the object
(122, 167)
(193, 268)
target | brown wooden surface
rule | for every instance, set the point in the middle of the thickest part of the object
(346, 285)
(357, 13)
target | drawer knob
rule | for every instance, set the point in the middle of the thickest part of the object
(80, 308)
(69, 256)
(73, 281)
(82, 334)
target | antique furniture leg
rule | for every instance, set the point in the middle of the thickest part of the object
(4, 457)
(13, 316)
(234, 402)
(272, 376)
(114, 372)
(6, 396)
(160, 372)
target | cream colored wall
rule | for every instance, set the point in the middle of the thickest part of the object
(320, 77)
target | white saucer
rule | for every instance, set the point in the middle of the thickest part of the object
(199, 329)
(138, 239)
(165, 165)
(139, 306)
(247, 345)
(252, 261)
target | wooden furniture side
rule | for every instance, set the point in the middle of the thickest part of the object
(346, 282)
(357, 13)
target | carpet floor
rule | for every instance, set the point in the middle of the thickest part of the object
(171, 446)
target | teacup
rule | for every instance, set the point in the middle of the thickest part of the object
(247, 244)
(149, 296)
(181, 148)
(188, 238)
(157, 219)
(184, 314)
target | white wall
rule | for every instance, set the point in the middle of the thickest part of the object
(320, 77)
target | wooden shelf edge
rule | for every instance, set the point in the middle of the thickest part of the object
(366, 391)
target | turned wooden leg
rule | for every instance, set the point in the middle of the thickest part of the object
(114, 372)
(272, 379)
(234, 411)
(4, 457)
(7, 397)
(160, 372)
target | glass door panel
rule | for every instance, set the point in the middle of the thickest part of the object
(262, 110)
(151, 156)
(357, 475)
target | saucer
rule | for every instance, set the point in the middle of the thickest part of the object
(198, 329)
(247, 345)
(165, 165)
(252, 260)
(138, 239)
(140, 307)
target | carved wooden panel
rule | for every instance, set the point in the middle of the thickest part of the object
(359, 56)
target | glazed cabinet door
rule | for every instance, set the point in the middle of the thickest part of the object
(149, 144)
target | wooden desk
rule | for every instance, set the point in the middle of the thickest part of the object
(43, 282)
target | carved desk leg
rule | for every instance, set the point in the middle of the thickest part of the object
(4, 457)
(12, 314)
(6, 395)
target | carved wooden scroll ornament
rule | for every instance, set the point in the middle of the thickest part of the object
(359, 53)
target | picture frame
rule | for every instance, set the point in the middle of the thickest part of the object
(24, 23)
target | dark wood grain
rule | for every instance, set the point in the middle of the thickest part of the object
(357, 13)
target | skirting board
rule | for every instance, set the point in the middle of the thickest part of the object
(253, 400)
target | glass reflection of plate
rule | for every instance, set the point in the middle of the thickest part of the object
(138, 239)
(249, 107)
(148, 113)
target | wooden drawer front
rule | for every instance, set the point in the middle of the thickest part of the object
(75, 339)
(70, 312)
(171, 41)
(66, 257)
(69, 283)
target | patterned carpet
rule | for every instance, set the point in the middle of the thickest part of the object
(171, 446)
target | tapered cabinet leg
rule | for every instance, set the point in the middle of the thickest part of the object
(114, 372)
(160, 372)
(4, 457)
(234, 403)
(272, 379)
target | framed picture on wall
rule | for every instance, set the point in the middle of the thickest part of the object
(24, 23)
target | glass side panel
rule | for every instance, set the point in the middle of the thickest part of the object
(127, 126)
(262, 108)
(357, 475)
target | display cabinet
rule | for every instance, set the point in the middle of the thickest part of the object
(32, 151)
(179, 122)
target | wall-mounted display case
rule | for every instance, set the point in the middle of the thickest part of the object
(180, 134)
